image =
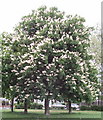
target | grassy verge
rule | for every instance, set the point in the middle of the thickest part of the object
(55, 115)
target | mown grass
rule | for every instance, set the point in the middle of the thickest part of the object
(54, 115)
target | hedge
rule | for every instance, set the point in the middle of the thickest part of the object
(93, 107)
(30, 106)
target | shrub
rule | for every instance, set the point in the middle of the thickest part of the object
(93, 107)
(85, 108)
(97, 108)
(74, 108)
(19, 106)
(58, 108)
(30, 106)
(36, 106)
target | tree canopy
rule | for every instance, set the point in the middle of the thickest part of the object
(51, 58)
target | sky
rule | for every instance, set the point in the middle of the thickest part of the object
(11, 11)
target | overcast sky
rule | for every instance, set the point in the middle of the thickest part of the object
(11, 11)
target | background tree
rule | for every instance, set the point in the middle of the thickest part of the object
(9, 72)
(73, 64)
(96, 50)
(95, 46)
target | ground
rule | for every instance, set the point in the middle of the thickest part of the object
(55, 115)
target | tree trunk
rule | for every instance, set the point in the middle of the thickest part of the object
(98, 102)
(25, 106)
(69, 106)
(70, 109)
(47, 112)
(12, 104)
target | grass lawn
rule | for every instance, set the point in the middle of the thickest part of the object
(55, 115)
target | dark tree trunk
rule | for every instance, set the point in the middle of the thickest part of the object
(12, 104)
(47, 112)
(25, 106)
(70, 109)
(69, 106)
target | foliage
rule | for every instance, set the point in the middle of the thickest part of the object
(19, 106)
(97, 108)
(50, 58)
(36, 106)
(95, 47)
(30, 106)
(9, 67)
(85, 108)
(93, 107)
(57, 108)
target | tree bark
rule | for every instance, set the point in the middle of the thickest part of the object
(70, 109)
(69, 106)
(25, 106)
(12, 104)
(47, 112)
